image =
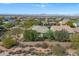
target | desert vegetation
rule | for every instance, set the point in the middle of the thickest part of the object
(18, 37)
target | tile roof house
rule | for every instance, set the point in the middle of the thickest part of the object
(62, 27)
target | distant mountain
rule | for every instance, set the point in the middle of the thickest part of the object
(76, 15)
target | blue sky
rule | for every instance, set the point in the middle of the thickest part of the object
(39, 8)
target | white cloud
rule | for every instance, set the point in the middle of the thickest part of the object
(6, 3)
(41, 5)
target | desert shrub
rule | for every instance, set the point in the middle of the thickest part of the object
(30, 35)
(40, 39)
(44, 45)
(58, 50)
(75, 41)
(61, 36)
(8, 42)
(48, 35)
(77, 52)
(38, 45)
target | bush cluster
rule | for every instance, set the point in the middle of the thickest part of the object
(62, 36)
(8, 42)
(30, 35)
(58, 50)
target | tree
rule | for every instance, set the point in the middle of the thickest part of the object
(70, 23)
(30, 22)
(30, 35)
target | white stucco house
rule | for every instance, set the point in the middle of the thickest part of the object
(76, 24)
(40, 29)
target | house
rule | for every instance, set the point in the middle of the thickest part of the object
(63, 22)
(40, 29)
(9, 19)
(54, 23)
(62, 27)
(76, 24)
(76, 30)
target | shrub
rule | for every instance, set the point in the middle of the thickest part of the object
(48, 35)
(30, 35)
(9, 42)
(58, 50)
(70, 23)
(61, 36)
(75, 41)
(42, 45)
(41, 38)
(77, 52)
(8, 25)
(45, 44)
(38, 45)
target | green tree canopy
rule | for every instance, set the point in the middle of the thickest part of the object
(30, 22)
(70, 23)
